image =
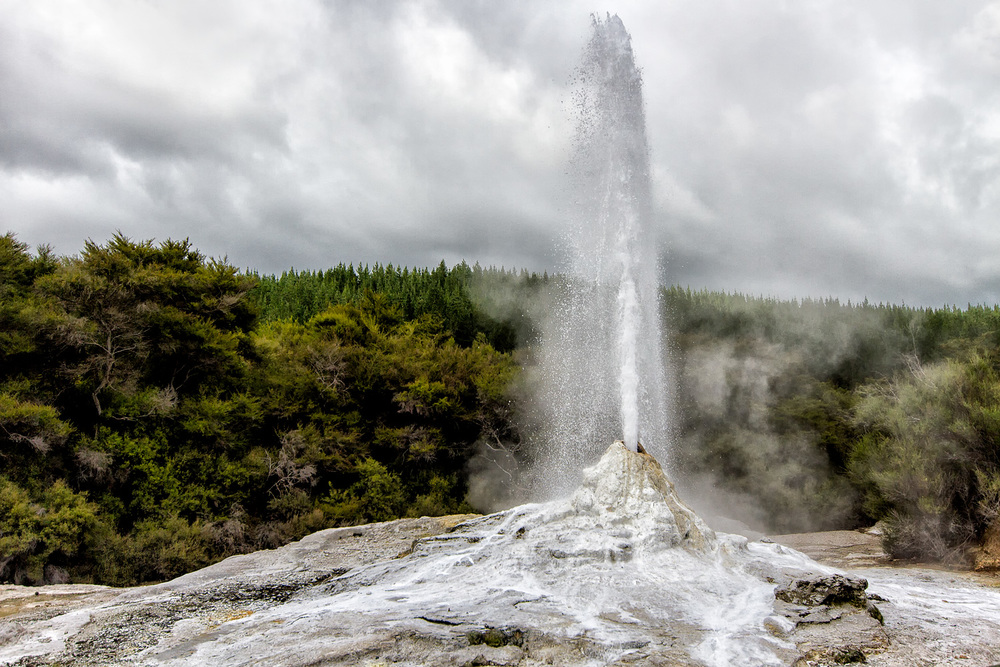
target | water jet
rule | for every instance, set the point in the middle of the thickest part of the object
(601, 357)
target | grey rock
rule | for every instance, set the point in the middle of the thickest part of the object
(828, 592)
(824, 590)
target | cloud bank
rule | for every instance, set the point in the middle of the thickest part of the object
(799, 149)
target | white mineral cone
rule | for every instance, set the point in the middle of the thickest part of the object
(627, 488)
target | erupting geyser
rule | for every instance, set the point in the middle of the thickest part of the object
(618, 572)
(601, 357)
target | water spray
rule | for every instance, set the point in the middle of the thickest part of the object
(601, 357)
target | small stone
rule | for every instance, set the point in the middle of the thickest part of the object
(824, 590)
(849, 656)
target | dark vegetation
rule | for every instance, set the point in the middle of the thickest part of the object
(160, 410)
(820, 415)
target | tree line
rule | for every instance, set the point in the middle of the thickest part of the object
(160, 410)
(459, 296)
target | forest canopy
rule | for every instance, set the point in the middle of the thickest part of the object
(161, 410)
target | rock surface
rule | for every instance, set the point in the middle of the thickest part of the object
(833, 589)
(848, 549)
(622, 573)
(816, 601)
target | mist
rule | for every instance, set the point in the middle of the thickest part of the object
(734, 461)
(761, 421)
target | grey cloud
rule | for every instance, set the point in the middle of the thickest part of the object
(57, 120)
(806, 149)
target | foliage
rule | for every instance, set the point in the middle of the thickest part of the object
(42, 535)
(144, 402)
(817, 414)
(929, 460)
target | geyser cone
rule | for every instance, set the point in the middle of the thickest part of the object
(630, 488)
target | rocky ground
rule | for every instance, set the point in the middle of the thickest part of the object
(932, 617)
(407, 593)
(842, 549)
(96, 625)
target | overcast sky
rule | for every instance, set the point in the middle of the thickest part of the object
(848, 148)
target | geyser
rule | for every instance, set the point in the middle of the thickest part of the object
(601, 358)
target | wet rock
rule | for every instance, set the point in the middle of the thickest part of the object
(824, 590)
(835, 622)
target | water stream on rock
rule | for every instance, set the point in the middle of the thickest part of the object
(621, 570)
(601, 360)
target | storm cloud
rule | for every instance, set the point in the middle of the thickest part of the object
(830, 148)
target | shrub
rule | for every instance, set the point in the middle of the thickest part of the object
(164, 550)
(377, 496)
(41, 536)
(925, 456)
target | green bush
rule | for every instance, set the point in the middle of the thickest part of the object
(166, 549)
(376, 496)
(928, 459)
(46, 536)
